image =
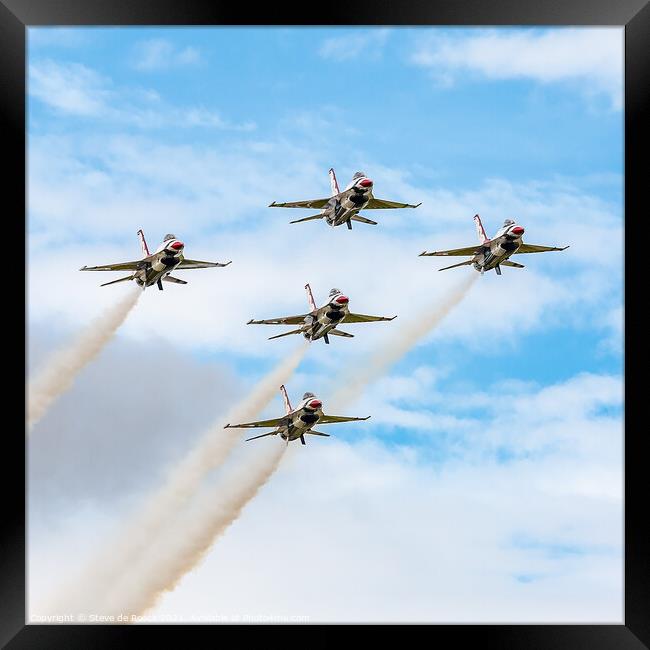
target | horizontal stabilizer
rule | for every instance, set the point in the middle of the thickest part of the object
(169, 278)
(453, 266)
(315, 216)
(358, 217)
(128, 277)
(318, 433)
(336, 332)
(513, 264)
(277, 336)
(272, 433)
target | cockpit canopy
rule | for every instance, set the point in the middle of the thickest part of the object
(359, 175)
(508, 222)
(169, 237)
(308, 395)
(333, 292)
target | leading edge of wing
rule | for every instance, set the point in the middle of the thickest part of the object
(287, 320)
(312, 203)
(468, 250)
(121, 266)
(275, 422)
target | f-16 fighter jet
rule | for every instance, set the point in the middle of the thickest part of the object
(155, 267)
(320, 322)
(494, 253)
(296, 422)
(344, 207)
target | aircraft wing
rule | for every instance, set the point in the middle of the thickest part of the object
(468, 250)
(276, 422)
(287, 320)
(186, 264)
(314, 203)
(331, 419)
(123, 266)
(362, 318)
(532, 248)
(382, 204)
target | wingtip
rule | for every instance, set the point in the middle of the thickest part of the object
(366, 418)
(228, 426)
(393, 318)
(84, 267)
(226, 263)
(422, 254)
(565, 247)
(272, 205)
(418, 205)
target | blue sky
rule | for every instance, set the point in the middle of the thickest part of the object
(196, 131)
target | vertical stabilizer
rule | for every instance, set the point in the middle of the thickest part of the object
(310, 298)
(143, 244)
(480, 231)
(334, 186)
(285, 397)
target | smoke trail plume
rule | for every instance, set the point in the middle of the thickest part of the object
(352, 385)
(162, 508)
(61, 369)
(173, 555)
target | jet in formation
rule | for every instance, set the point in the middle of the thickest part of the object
(344, 207)
(154, 268)
(298, 422)
(494, 253)
(321, 322)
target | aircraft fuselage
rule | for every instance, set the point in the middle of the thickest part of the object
(301, 420)
(496, 251)
(319, 323)
(348, 203)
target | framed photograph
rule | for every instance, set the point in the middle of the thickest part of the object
(324, 321)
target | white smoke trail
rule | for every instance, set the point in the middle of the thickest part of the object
(173, 555)
(162, 508)
(61, 369)
(352, 385)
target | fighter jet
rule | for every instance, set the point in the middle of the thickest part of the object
(155, 267)
(320, 322)
(296, 422)
(494, 253)
(344, 207)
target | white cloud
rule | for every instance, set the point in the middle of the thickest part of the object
(354, 44)
(69, 88)
(78, 91)
(589, 58)
(159, 54)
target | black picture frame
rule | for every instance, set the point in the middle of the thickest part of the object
(634, 15)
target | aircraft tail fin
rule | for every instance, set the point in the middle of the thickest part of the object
(285, 397)
(128, 277)
(453, 266)
(334, 186)
(277, 336)
(480, 231)
(143, 244)
(310, 298)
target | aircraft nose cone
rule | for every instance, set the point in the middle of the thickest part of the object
(366, 182)
(342, 300)
(315, 404)
(177, 245)
(517, 230)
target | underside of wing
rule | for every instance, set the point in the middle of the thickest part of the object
(382, 204)
(362, 318)
(468, 250)
(123, 266)
(532, 248)
(276, 422)
(186, 265)
(287, 320)
(314, 203)
(331, 419)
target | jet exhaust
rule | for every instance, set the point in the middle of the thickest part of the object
(157, 520)
(352, 385)
(173, 555)
(60, 371)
